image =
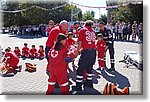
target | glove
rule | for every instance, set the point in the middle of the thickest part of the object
(68, 59)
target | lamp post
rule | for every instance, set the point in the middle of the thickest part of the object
(71, 13)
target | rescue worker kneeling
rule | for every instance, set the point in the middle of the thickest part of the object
(58, 66)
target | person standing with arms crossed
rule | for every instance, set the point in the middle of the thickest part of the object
(108, 38)
(86, 39)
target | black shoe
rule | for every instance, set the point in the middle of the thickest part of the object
(88, 84)
(111, 69)
(57, 85)
(75, 88)
(20, 68)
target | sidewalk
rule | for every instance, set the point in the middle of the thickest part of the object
(36, 83)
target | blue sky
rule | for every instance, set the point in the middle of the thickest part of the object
(96, 3)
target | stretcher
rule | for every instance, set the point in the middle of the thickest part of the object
(132, 58)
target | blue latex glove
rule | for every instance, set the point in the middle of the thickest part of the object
(68, 59)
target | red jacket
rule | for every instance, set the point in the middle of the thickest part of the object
(75, 31)
(49, 28)
(11, 59)
(57, 58)
(25, 50)
(53, 36)
(33, 51)
(17, 52)
(41, 51)
(87, 37)
(101, 45)
(70, 42)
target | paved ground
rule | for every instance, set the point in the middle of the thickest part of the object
(36, 83)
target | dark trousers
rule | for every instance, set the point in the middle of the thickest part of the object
(116, 35)
(46, 53)
(111, 54)
(86, 62)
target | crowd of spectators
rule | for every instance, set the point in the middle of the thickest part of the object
(122, 31)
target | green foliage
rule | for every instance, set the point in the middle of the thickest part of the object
(37, 15)
(123, 14)
(103, 18)
(88, 15)
(132, 12)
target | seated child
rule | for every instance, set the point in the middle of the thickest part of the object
(33, 52)
(17, 51)
(101, 48)
(11, 60)
(41, 52)
(25, 50)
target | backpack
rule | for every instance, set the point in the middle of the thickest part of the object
(111, 89)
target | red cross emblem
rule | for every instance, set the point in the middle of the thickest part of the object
(54, 53)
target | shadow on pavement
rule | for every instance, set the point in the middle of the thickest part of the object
(72, 75)
(87, 90)
(25, 36)
(115, 77)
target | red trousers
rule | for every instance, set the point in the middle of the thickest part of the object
(12, 64)
(41, 55)
(101, 59)
(25, 54)
(18, 54)
(58, 74)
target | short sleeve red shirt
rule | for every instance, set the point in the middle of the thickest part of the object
(87, 37)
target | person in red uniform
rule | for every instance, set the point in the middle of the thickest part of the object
(51, 26)
(75, 29)
(62, 28)
(25, 50)
(41, 52)
(58, 66)
(101, 48)
(70, 40)
(11, 60)
(87, 59)
(17, 51)
(33, 52)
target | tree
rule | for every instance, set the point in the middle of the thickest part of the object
(37, 13)
(131, 12)
(123, 14)
(88, 15)
(103, 18)
(137, 12)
